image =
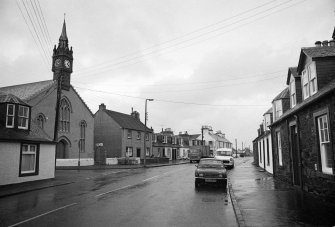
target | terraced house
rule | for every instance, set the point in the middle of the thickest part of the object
(304, 136)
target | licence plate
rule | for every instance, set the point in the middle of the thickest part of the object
(210, 180)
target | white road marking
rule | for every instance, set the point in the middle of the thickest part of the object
(151, 178)
(49, 212)
(113, 191)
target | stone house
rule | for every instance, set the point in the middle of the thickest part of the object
(303, 136)
(166, 144)
(122, 135)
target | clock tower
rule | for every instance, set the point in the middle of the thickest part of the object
(62, 60)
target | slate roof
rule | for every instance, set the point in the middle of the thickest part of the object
(285, 94)
(329, 88)
(195, 136)
(127, 121)
(317, 52)
(294, 72)
(35, 134)
(9, 98)
(219, 138)
(28, 91)
(269, 111)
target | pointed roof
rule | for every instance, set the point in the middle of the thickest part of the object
(63, 36)
(333, 34)
(127, 121)
(28, 91)
(285, 94)
(10, 98)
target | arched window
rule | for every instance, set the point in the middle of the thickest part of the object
(64, 116)
(40, 120)
(83, 126)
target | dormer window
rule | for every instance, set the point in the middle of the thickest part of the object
(309, 83)
(23, 117)
(10, 116)
(277, 109)
(164, 139)
(293, 96)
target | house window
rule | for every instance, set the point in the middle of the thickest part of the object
(64, 116)
(138, 135)
(164, 139)
(154, 138)
(280, 154)
(40, 120)
(147, 137)
(309, 83)
(180, 141)
(23, 117)
(10, 116)
(129, 134)
(83, 126)
(312, 78)
(324, 143)
(174, 140)
(29, 159)
(129, 151)
(147, 153)
(293, 96)
(278, 109)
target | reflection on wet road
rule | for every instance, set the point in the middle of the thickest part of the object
(162, 196)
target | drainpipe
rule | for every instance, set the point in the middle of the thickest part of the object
(299, 152)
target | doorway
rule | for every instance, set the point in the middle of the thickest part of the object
(62, 149)
(138, 152)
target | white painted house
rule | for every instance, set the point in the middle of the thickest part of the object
(27, 153)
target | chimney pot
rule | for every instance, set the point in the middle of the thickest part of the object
(325, 43)
(318, 43)
(102, 106)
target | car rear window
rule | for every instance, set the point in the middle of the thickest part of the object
(211, 162)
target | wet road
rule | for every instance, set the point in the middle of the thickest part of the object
(163, 196)
(265, 201)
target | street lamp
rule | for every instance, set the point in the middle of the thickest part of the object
(145, 130)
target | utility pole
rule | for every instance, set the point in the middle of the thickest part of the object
(59, 94)
(236, 146)
(145, 131)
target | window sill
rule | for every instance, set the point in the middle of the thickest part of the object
(28, 174)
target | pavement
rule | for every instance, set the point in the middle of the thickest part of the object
(261, 200)
(69, 175)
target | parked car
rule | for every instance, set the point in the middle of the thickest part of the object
(225, 155)
(210, 171)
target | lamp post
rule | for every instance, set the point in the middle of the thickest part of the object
(145, 130)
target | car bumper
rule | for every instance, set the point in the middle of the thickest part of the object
(204, 180)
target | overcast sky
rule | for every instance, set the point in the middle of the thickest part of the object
(205, 62)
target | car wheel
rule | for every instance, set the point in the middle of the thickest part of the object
(196, 184)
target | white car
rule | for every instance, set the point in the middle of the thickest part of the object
(225, 155)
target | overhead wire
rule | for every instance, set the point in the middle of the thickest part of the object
(31, 33)
(44, 22)
(36, 33)
(107, 68)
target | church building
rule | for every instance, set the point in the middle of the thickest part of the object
(57, 99)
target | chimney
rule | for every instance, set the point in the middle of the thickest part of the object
(318, 43)
(325, 43)
(135, 114)
(102, 106)
(332, 43)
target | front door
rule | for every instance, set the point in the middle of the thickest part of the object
(174, 154)
(296, 163)
(61, 149)
(138, 152)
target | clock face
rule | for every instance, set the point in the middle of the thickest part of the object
(67, 63)
(57, 62)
